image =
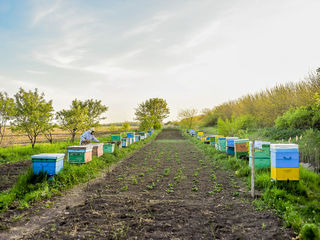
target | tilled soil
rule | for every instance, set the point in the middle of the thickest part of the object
(167, 190)
(9, 173)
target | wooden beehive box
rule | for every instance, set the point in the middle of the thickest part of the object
(261, 154)
(97, 149)
(50, 163)
(241, 148)
(108, 147)
(284, 162)
(79, 154)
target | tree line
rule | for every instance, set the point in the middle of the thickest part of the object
(30, 113)
(267, 105)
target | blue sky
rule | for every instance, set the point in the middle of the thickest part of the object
(195, 54)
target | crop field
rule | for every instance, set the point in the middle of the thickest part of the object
(166, 190)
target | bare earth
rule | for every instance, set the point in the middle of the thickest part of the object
(166, 190)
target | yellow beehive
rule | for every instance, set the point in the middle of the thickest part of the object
(200, 133)
(285, 173)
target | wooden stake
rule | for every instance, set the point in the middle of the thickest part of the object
(252, 169)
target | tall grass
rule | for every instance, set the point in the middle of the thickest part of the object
(265, 106)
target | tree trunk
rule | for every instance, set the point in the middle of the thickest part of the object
(73, 135)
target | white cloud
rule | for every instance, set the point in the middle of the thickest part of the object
(149, 25)
(36, 72)
(43, 12)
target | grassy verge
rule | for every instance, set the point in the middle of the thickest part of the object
(30, 187)
(298, 203)
(19, 153)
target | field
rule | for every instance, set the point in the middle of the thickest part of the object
(13, 138)
(166, 190)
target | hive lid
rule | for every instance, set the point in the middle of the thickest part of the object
(96, 144)
(48, 156)
(229, 138)
(258, 144)
(284, 146)
(88, 146)
(243, 139)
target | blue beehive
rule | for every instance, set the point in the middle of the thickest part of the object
(125, 142)
(284, 161)
(50, 163)
(284, 155)
(130, 135)
(230, 145)
(137, 138)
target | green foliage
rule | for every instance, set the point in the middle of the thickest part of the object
(300, 118)
(18, 153)
(33, 114)
(187, 117)
(95, 111)
(310, 232)
(265, 106)
(234, 127)
(6, 112)
(278, 134)
(125, 127)
(81, 116)
(75, 119)
(151, 113)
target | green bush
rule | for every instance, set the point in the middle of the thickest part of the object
(310, 232)
(279, 134)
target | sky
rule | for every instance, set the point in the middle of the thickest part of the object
(193, 53)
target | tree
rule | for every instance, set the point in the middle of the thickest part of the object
(81, 116)
(33, 114)
(125, 127)
(95, 110)
(151, 113)
(75, 119)
(6, 112)
(187, 116)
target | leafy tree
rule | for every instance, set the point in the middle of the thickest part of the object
(33, 114)
(187, 117)
(6, 112)
(95, 111)
(112, 128)
(152, 112)
(125, 127)
(75, 119)
(146, 124)
(81, 116)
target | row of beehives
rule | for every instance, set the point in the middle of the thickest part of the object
(283, 159)
(52, 163)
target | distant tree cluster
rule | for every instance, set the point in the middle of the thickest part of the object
(267, 105)
(28, 112)
(151, 113)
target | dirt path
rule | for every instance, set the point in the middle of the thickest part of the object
(167, 190)
(9, 173)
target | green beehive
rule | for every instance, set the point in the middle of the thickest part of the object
(212, 140)
(222, 143)
(108, 147)
(261, 154)
(115, 137)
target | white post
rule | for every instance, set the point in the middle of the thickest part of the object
(252, 169)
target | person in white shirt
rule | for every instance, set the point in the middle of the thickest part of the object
(87, 137)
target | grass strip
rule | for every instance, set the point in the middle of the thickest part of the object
(30, 187)
(297, 202)
(18, 153)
